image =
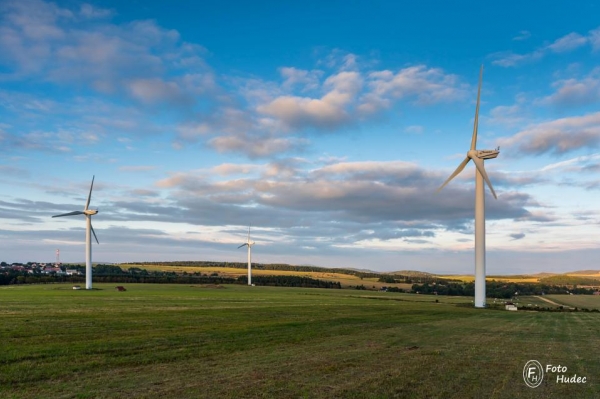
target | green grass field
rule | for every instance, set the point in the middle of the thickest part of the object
(182, 341)
(577, 301)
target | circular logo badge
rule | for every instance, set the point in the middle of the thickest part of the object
(533, 374)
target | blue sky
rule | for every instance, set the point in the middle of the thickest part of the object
(327, 127)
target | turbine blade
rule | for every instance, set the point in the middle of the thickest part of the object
(94, 233)
(456, 172)
(481, 169)
(476, 123)
(89, 195)
(69, 214)
(248, 233)
(242, 245)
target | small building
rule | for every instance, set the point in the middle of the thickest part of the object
(50, 270)
(76, 287)
(511, 307)
(120, 288)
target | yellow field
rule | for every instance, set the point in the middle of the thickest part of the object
(467, 278)
(588, 275)
(344, 279)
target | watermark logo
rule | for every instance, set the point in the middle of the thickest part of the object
(533, 374)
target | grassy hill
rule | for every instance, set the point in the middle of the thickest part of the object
(411, 273)
(346, 277)
(571, 280)
(585, 273)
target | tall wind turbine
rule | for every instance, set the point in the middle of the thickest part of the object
(249, 244)
(88, 238)
(478, 157)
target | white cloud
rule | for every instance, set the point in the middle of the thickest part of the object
(563, 44)
(426, 85)
(573, 92)
(156, 91)
(256, 147)
(414, 129)
(227, 169)
(594, 38)
(137, 168)
(568, 43)
(52, 43)
(299, 112)
(508, 115)
(89, 11)
(306, 80)
(508, 59)
(192, 130)
(328, 111)
(558, 136)
(523, 35)
(350, 95)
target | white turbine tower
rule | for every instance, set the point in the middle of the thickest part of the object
(480, 175)
(249, 244)
(89, 230)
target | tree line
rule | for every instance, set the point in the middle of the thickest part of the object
(496, 289)
(114, 274)
(290, 281)
(263, 266)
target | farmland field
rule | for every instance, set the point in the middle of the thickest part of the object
(182, 341)
(577, 301)
(469, 278)
(345, 280)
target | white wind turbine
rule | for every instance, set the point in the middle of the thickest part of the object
(480, 175)
(249, 244)
(88, 238)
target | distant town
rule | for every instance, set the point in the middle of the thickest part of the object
(43, 268)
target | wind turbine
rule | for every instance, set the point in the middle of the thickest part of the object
(249, 244)
(478, 156)
(88, 238)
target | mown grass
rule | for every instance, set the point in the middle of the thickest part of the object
(577, 301)
(553, 301)
(160, 341)
(536, 300)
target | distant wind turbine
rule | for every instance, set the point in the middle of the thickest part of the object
(88, 239)
(249, 244)
(478, 157)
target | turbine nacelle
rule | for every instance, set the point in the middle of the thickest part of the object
(482, 154)
(488, 154)
(86, 211)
